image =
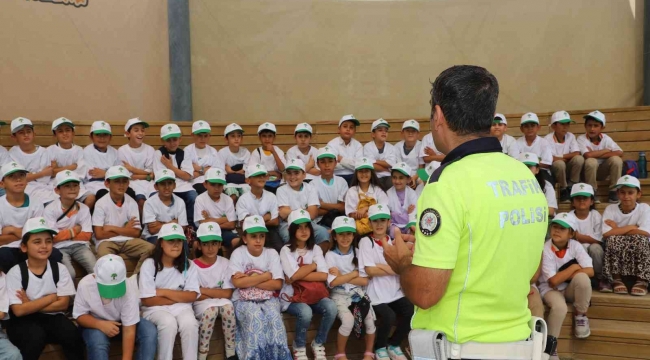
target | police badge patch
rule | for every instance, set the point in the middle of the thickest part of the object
(429, 221)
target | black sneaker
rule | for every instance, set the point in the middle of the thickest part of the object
(565, 195)
(613, 198)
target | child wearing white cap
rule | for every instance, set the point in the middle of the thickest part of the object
(533, 143)
(347, 149)
(364, 192)
(215, 206)
(107, 305)
(402, 201)
(331, 189)
(268, 155)
(256, 273)
(169, 285)
(408, 150)
(203, 155)
(429, 153)
(567, 160)
(137, 157)
(532, 161)
(508, 143)
(304, 151)
(8, 350)
(72, 221)
(163, 207)
(382, 152)
(234, 156)
(98, 157)
(626, 230)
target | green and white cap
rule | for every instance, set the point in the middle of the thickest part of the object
(596, 115)
(403, 168)
(232, 127)
(64, 177)
(349, 117)
(629, 181)
(37, 225)
(255, 170)
(20, 122)
(266, 126)
(529, 118)
(565, 220)
(170, 131)
(426, 172)
(413, 218)
(164, 174)
(379, 122)
(299, 216)
(61, 121)
(343, 224)
(10, 168)
(326, 152)
(209, 231)
(110, 275)
(411, 124)
(254, 224)
(134, 121)
(116, 172)
(171, 231)
(561, 117)
(100, 127)
(582, 189)
(363, 163)
(303, 127)
(529, 159)
(201, 127)
(216, 176)
(378, 211)
(295, 164)
(500, 118)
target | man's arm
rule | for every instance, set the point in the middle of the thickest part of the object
(424, 286)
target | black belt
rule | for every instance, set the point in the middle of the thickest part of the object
(96, 179)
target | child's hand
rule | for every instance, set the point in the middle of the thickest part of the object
(414, 182)
(287, 280)
(12, 230)
(339, 158)
(411, 208)
(97, 173)
(269, 147)
(268, 275)
(132, 222)
(127, 166)
(175, 221)
(429, 151)
(335, 271)
(77, 229)
(205, 214)
(22, 296)
(109, 328)
(412, 228)
(362, 212)
(611, 224)
(167, 162)
(238, 275)
(47, 171)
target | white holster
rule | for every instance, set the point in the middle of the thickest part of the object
(433, 345)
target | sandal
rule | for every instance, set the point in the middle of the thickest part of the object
(619, 287)
(640, 288)
(340, 356)
(369, 354)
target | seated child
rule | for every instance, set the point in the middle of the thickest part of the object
(626, 231)
(137, 157)
(216, 291)
(567, 161)
(72, 221)
(384, 289)
(532, 161)
(8, 351)
(304, 151)
(602, 154)
(36, 160)
(39, 292)
(107, 306)
(331, 189)
(363, 193)
(347, 148)
(423, 177)
(98, 157)
(533, 143)
(401, 202)
(381, 152)
(215, 206)
(163, 207)
(408, 150)
(269, 155)
(429, 154)
(235, 157)
(116, 221)
(204, 156)
(508, 143)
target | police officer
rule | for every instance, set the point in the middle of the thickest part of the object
(482, 219)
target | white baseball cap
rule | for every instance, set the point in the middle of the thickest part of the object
(116, 172)
(561, 117)
(134, 121)
(37, 225)
(529, 159)
(295, 164)
(413, 219)
(20, 122)
(379, 122)
(216, 176)
(10, 168)
(266, 126)
(403, 168)
(363, 163)
(426, 172)
(110, 275)
(209, 231)
(164, 174)
(378, 211)
(232, 127)
(255, 170)
(201, 127)
(100, 127)
(343, 224)
(565, 220)
(299, 216)
(411, 124)
(61, 121)
(171, 231)
(326, 152)
(582, 189)
(529, 118)
(303, 127)
(170, 131)
(349, 117)
(254, 224)
(629, 181)
(500, 118)
(596, 115)
(63, 177)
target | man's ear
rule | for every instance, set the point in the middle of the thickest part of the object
(438, 118)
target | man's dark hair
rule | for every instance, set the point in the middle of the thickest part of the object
(468, 97)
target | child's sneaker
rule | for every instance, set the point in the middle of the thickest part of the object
(581, 329)
(318, 350)
(395, 353)
(613, 197)
(381, 354)
(565, 195)
(300, 353)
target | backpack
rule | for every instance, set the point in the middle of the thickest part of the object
(24, 272)
(630, 167)
(179, 155)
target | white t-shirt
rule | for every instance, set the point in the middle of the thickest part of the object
(4, 156)
(40, 189)
(295, 153)
(259, 157)
(216, 209)
(167, 278)
(99, 160)
(606, 142)
(248, 204)
(640, 216)
(427, 142)
(204, 157)
(413, 159)
(231, 159)
(141, 158)
(510, 146)
(381, 289)
(125, 309)
(370, 150)
(80, 217)
(352, 197)
(332, 193)
(295, 200)
(242, 261)
(290, 265)
(591, 226)
(4, 298)
(186, 165)
(539, 147)
(217, 276)
(108, 213)
(345, 264)
(155, 210)
(39, 287)
(410, 198)
(67, 157)
(18, 216)
(350, 153)
(551, 263)
(559, 149)
(549, 192)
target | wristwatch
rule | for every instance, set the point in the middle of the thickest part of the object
(148, 177)
(202, 171)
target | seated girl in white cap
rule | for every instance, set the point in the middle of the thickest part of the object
(532, 161)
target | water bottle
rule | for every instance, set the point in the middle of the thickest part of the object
(643, 165)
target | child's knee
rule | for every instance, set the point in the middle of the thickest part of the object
(347, 323)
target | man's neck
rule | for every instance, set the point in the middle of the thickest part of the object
(15, 199)
(455, 141)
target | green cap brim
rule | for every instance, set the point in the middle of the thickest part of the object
(68, 181)
(201, 131)
(343, 229)
(561, 223)
(498, 121)
(582, 194)
(14, 171)
(174, 237)
(301, 221)
(530, 163)
(118, 176)
(323, 156)
(2, 123)
(101, 131)
(369, 167)
(258, 173)
(530, 121)
(302, 130)
(355, 121)
(112, 291)
(208, 238)
(216, 181)
(380, 216)
(166, 177)
(257, 229)
(565, 121)
(403, 172)
(40, 230)
(171, 136)
(593, 118)
(410, 127)
(412, 223)
(423, 175)
(293, 167)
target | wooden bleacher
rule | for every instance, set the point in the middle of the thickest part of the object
(620, 324)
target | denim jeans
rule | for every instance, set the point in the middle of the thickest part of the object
(320, 233)
(8, 351)
(80, 253)
(146, 342)
(188, 197)
(303, 313)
